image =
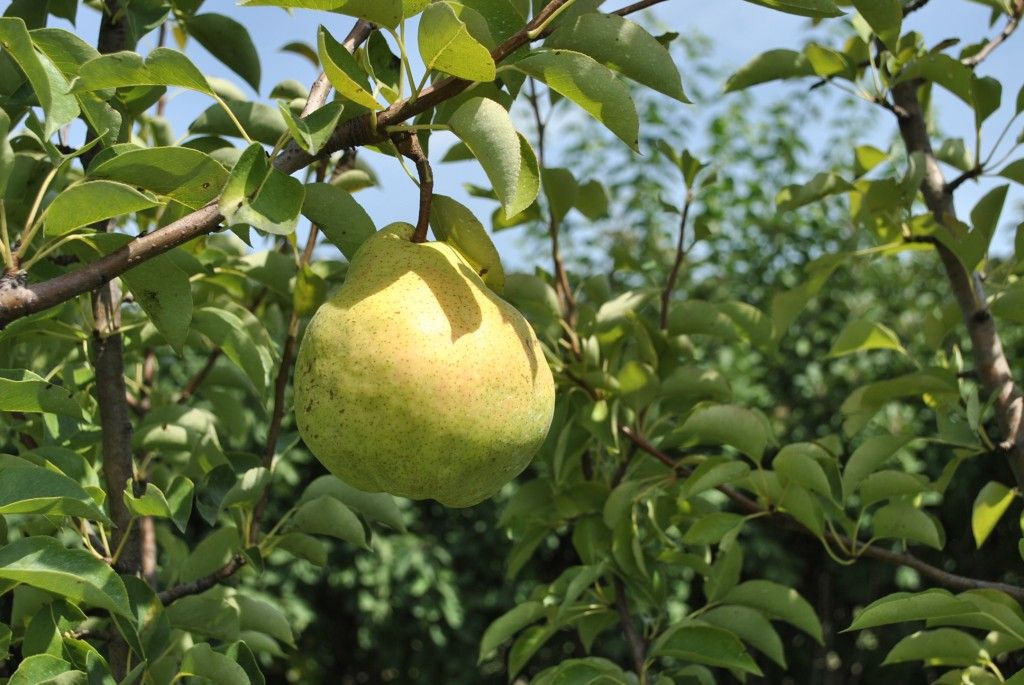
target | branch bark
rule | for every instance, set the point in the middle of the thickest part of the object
(673, 276)
(636, 642)
(749, 506)
(1011, 25)
(408, 144)
(986, 346)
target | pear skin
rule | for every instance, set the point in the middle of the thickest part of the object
(416, 379)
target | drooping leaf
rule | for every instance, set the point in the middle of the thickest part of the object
(455, 225)
(382, 12)
(908, 606)
(777, 602)
(49, 85)
(162, 67)
(770, 66)
(803, 8)
(343, 220)
(508, 624)
(862, 335)
(24, 391)
(989, 506)
(228, 41)
(885, 18)
(623, 46)
(31, 489)
(705, 644)
(487, 129)
(87, 203)
(45, 563)
(188, 176)
(591, 85)
(313, 131)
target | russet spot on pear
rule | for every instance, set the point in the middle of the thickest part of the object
(417, 380)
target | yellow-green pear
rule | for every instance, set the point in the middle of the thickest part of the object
(417, 380)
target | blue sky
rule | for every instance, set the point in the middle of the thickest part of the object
(740, 30)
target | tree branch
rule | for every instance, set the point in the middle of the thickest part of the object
(986, 346)
(749, 506)
(1011, 25)
(202, 584)
(636, 642)
(408, 143)
(673, 276)
(636, 7)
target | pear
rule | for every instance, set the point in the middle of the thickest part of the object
(415, 379)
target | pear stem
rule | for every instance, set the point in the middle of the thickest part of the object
(408, 143)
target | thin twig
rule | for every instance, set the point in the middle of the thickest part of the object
(749, 506)
(202, 584)
(636, 7)
(973, 172)
(673, 276)
(1011, 25)
(637, 644)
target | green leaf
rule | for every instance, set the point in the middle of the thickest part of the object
(770, 66)
(188, 176)
(228, 332)
(1010, 303)
(49, 85)
(869, 456)
(86, 203)
(1014, 171)
(165, 294)
(560, 189)
(803, 8)
(728, 425)
(508, 624)
(228, 41)
(827, 62)
(344, 73)
(446, 44)
(888, 483)
(710, 529)
(32, 489)
(162, 67)
(861, 335)
(944, 70)
(908, 606)
(455, 225)
(44, 563)
(750, 626)
(342, 220)
(508, 160)
(202, 662)
(712, 473)
(798, 464)
(313, 131)
(777, 602)
(46, 669)
(256, 614)
(904, 521)
(704, 644)
(258, 195)
(821, 186)
(526, 645)
(989, 506)
(942, 647)
(263, 122)
(623, 46)
(303, 546)
(326, 515)
(885, 17)
(591, 85)
(24, 391)
(384, 12)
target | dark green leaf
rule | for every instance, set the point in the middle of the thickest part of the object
(228, 41)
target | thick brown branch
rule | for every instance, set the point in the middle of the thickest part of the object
(986, 346)
(1011, 25)
(673, 276)
(749, 506)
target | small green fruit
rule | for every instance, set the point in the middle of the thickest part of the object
(417, 380)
